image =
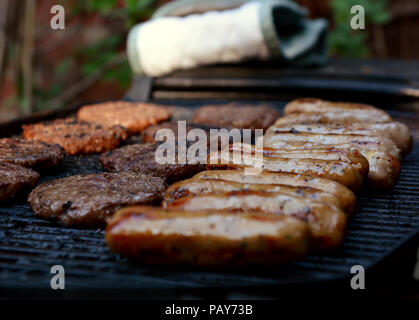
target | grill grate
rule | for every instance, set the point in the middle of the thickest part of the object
(30, 246)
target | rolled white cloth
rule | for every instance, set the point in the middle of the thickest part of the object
(164, 44)
(170, 43)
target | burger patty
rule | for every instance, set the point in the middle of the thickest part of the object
(149, 134)
(237, 116)
(135, 116)
(15, 178)
(87, 200)
(31, 154)
(76, 137)
(142, 158)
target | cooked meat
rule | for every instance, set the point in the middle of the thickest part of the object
(345, 172)
(14, 179)
(180, 113)
(76, 137)
(352, 111)
(382, 154)
(326, 222)
(351, 156)
(195, 186)
(237, 116)
(338, 141)
(346, 196)
(207, 239)
(341, 118)
(142, 158)
(398, 132)
(31, 154)
(135, 116)
(149, 133)
(213, 139)
(87, 200)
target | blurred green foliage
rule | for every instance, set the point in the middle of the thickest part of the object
(352, 43)
(91, 57)
(96, 54)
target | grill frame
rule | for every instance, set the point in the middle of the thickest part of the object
(26, 255)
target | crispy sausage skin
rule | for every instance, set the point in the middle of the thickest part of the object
(327, 223)
(324, 118)
(398, 132)
(313, 140)
(202, 186)
(352, 156)
(382, 154)
(353, 111)
(208, 239)
(345, 196)
(338, 170)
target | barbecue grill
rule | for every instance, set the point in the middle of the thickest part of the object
(383, 234)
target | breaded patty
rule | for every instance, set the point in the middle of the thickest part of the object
(237, 116)
(87, 200)
(76, 137)
(135, 116)
(31, 154)
(15, 178)
(141, 158)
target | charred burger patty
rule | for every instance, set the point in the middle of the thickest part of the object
(87, 200)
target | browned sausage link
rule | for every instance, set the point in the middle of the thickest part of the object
(360, 111)
(345, 196)
(398, 132)
(373, 143)
(201, 186)
(326, 222)
(342, 118)
(338, 170)
(352, 156)
(381, 153)
(384, 169)
(210, 239)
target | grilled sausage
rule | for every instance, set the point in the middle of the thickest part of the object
(341, 118)
(202, 186)
(354, 141)
(398, 132)
(339, 170)
(382, 154)
(326, 222)
(352, 156)
(209, 239)
(362, 112)
(345, 196)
